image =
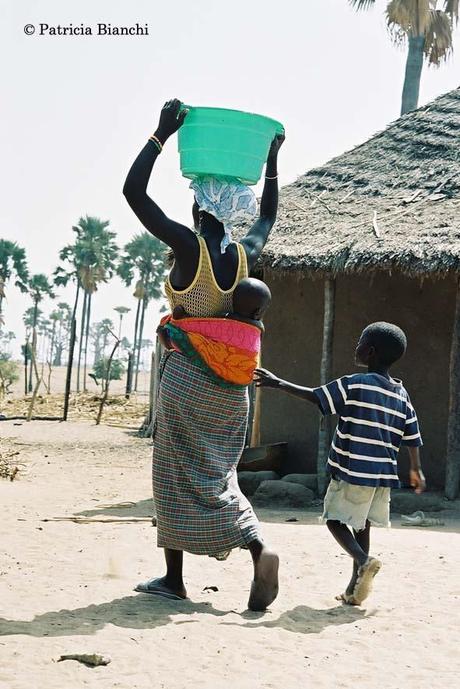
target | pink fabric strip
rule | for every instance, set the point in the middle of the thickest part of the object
(242, 335)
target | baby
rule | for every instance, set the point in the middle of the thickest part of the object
(251, 299)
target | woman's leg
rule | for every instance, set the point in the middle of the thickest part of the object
(174, 565)
(264, 588)
(172, 584)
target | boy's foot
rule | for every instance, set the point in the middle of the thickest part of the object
(264, 587)
(347, 598)
(159, 587)
(366, 574)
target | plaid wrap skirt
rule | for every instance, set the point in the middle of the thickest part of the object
(198, 440)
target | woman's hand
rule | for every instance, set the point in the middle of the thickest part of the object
(171, 119)
(275, 146)
(265, 379)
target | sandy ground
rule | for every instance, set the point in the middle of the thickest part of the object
(67, 588)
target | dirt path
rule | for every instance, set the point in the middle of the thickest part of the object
(67, 588)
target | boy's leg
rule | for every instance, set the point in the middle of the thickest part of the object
(347, 541)
(363, 540)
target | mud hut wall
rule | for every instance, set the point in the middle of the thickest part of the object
(292, 348)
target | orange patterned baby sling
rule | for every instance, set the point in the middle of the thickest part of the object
(226, 349)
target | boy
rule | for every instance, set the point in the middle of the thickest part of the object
(376, 417)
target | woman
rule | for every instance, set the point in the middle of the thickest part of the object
(201, 427)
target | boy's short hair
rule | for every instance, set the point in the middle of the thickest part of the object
(389, 341)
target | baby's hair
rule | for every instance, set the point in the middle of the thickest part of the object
(251, 296)
(389, 341)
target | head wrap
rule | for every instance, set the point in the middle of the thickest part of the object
(228, 200)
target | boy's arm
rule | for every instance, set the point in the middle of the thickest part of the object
(417, 479)
(265, 379)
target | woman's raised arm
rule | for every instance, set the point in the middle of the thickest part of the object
(257, 236)
(174, 234)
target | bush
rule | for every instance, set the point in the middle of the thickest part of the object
(116, 370)
(9, 374)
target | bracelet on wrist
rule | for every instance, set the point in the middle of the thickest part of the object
(154, 139)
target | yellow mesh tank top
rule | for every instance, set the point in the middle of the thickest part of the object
(204, 298)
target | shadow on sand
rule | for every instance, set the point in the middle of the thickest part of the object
(146, 612)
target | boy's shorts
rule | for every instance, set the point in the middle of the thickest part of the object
(354, 505)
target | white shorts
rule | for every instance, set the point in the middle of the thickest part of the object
(354, 505)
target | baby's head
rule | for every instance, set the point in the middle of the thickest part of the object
(380, 343)
(251, 299)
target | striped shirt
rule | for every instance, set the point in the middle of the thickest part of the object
(376, 417)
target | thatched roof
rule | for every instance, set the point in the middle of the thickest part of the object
(393, 202)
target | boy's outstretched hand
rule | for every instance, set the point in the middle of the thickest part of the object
(417, 480)
(265, 379)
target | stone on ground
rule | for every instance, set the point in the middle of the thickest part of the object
(282, 494)
(307, 480)
(249, 481)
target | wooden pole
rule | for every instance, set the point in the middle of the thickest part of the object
(129, 376)
(325, 376)
(453, 425)
(107, 383)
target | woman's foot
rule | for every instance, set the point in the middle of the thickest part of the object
(264, 587)
(162, 587)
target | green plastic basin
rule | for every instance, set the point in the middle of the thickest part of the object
(225, 143)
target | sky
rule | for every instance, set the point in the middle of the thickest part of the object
(77, 109)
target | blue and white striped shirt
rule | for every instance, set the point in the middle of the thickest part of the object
(376, 417)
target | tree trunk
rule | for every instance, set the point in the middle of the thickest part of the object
(136, 328)
(453, 425)
(414, 65)
(82, 333)
(88, 316)
(139, 341)
(26, 351)
(325, 375)
(50, 359)
(58, 355)
(34, 344)
(68, 381)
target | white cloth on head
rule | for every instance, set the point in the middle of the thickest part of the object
(228, 200)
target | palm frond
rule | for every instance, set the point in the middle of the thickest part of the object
(438, 38)
(451, 8)
(410, 16)
(361, 4)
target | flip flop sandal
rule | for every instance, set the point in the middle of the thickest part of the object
(153, 590)
(418, 519)
(347, 598)
(366, 574)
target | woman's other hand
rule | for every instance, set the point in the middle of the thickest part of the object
(265, 379)
(171, 119)
(275, 146)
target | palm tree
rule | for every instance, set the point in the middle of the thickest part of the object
(92, 258)
(427, 27)
(121, 310)
(12, 262)
(144, 261)
(38, 288)
(61, 317)
(100, 332)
